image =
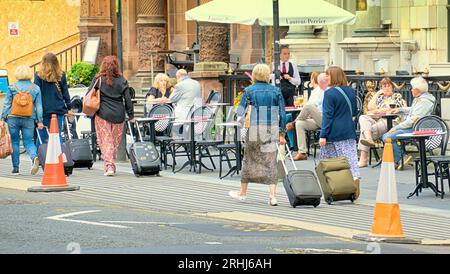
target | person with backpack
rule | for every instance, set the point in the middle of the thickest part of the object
(55, 93)
(22, 108)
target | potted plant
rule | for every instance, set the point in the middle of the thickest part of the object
(81, 74)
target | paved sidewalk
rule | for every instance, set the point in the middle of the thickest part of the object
(425, 217)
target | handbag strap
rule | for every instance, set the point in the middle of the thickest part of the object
(346, 99)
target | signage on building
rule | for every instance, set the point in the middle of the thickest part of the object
(13, 29)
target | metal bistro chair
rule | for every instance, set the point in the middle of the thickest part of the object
(203, 131)
(440, 162)
(162, 129)
(200, 129)
(228, 146)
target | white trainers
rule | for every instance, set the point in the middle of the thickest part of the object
(35, 166)
(235, 195)
(273, 202)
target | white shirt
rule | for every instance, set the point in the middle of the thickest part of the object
(295, 80)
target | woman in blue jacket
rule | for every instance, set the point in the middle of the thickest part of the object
(338, 133)
(55, 93)
(21, 124)
(267, 128)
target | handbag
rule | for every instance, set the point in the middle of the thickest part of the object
(249, 113)
(5, 143)
(91, 102)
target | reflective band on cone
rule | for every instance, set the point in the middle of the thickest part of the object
(54, 178)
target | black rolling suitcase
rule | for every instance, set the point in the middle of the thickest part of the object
(144, 156)
(67, 157)
(80, 150)
(302, 187)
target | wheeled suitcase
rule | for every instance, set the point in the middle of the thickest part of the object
(80, 150)
(302, 187)
(144, 156)
(67, 157)
(336, 180)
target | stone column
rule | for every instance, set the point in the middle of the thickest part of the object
(246, 43)
(151, 36)
(96, 21)
(214, 42)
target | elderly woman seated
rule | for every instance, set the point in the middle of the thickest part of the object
(371, 127)
(159, 92)
(422, 106)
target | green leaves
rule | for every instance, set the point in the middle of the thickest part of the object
(81, 73)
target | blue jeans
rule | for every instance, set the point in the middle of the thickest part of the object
(290, 134)
(397, 149)
(26, 126)
(43, 132)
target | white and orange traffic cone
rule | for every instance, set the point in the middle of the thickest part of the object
(386, 225)
(54, 178)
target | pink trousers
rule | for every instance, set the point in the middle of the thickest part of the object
(109, 136)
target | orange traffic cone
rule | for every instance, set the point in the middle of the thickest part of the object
(54, 178)
(386, 225)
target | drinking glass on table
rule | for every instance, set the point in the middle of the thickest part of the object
(299, 101)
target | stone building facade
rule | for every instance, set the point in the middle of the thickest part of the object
(389, 35)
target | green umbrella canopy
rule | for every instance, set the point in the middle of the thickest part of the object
(292, 12)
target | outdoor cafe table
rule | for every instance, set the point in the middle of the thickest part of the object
(238, 144)
(389, 118)
(424, 183)
(293, 109)
(192, 161)
(152, 121)
(390, 124)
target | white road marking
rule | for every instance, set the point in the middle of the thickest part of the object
(63, 217)
(146, 223)
(213, 243)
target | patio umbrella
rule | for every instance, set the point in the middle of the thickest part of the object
(271, 13)
(291, 12)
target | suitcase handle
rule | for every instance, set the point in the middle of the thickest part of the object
(67, 126)
(131, 130)
(282, 162)
(39, 136)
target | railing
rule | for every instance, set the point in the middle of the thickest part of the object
(439, 86)
(67, 57)
(42, 48)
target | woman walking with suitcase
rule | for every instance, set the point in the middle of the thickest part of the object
(338, 133)
(267, 127)
(55, 93)
(22, 108)
(115, 101)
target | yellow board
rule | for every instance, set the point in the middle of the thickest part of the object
(52, 24)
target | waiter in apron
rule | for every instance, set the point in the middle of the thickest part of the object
(290, 80)
(290, 77)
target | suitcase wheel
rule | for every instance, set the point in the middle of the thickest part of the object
(353, 198)
(329, 200)
(294, 206)
(316, 203)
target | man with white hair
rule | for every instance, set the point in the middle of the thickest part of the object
(422, 106)
(311, 116)
(186, 93)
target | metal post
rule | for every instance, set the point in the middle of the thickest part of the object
(276, 42)
(119, 33)
(121, 153)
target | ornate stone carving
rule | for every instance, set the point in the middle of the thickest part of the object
(214, 42)
(151, 38)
